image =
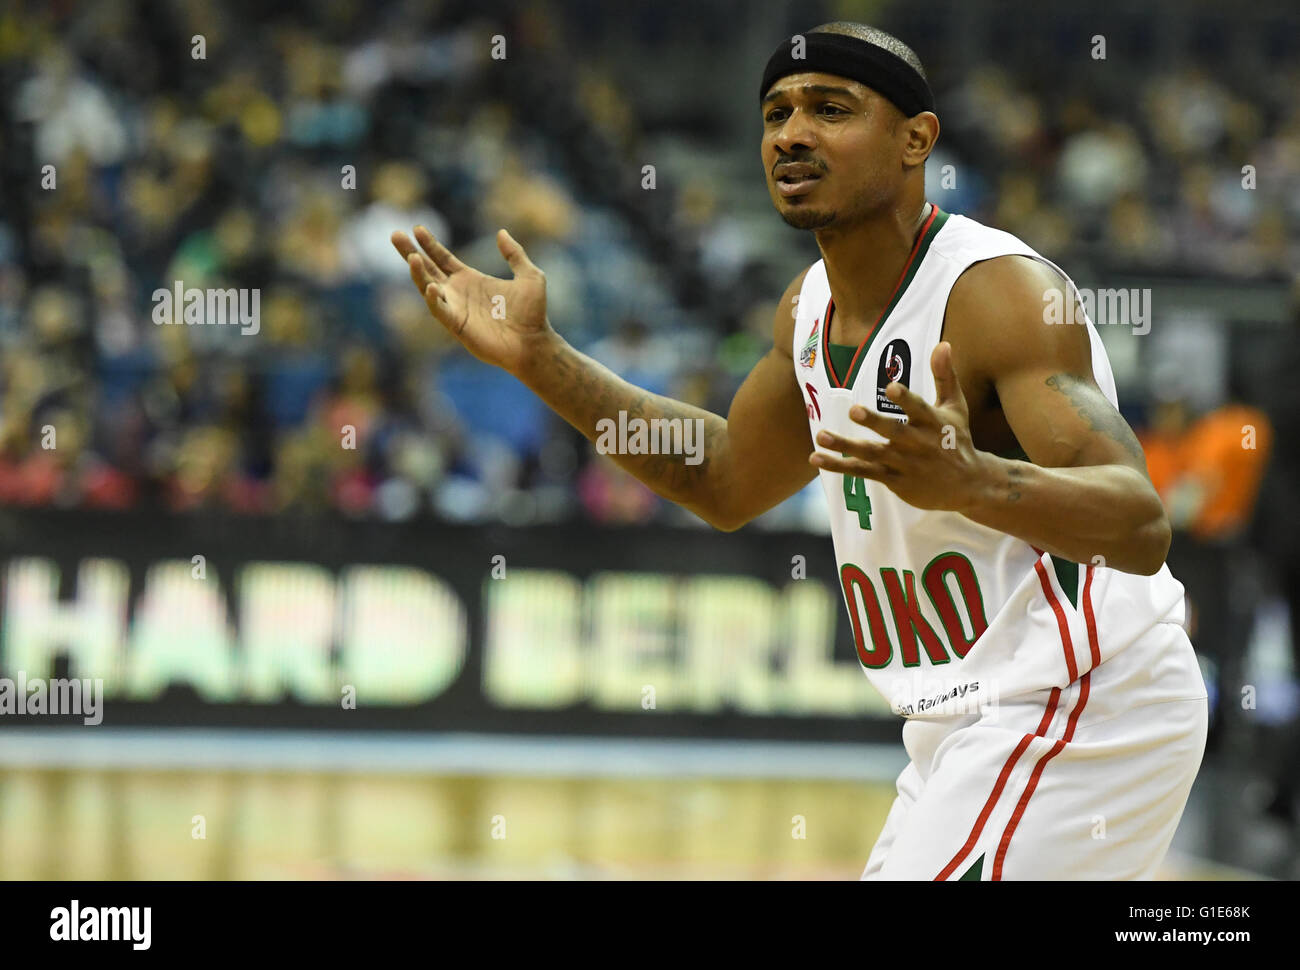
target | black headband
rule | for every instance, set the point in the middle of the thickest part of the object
(889, 75)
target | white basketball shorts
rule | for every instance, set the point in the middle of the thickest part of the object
(1085, 782)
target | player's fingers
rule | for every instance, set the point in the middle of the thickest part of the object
(887, 427)
(436, 300)
(423, 271)
(920, 414)
(402, 243)
(948, 392)
(440, 254)
(853, 447)
(515, 256)
(853, 467)
(432, 293)
(421, 266)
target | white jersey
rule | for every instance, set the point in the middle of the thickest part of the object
(946, 611)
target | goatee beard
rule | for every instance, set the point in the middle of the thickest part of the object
(808, 218)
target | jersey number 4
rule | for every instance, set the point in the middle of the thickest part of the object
(857, 500)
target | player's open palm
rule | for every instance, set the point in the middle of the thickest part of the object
(494, 318)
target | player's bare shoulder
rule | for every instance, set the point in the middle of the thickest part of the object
(997, 313)
(786, 312)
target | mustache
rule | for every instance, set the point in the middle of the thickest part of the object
(815, 162)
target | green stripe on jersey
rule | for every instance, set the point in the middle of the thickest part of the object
(842, 357)
(1068, 574)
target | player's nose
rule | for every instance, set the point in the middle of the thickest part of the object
(794, 134)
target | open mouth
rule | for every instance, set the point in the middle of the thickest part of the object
(789, 185)
(796, 178)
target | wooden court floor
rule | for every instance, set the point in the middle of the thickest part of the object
(212, 825)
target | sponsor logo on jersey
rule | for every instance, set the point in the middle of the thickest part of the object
(895, 365)
(808, 356)
(813, 406)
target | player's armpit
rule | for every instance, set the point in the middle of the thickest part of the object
(767, 440)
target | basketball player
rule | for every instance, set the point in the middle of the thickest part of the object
(996, 531)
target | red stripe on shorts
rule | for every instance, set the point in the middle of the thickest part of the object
(1057, 748)
(1061, 623)
(992, 800)
(1094, 650)
(1093, 646)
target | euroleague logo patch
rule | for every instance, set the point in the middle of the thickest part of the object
(895, 365)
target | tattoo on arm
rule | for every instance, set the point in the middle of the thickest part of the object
(1015, 475)
(1100, 414)
(591, 396)
(671, 470)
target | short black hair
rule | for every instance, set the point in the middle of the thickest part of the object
(873, 35)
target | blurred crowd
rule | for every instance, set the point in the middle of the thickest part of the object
(1189, 178)
(148, 144)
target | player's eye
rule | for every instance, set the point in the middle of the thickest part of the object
(772, 115)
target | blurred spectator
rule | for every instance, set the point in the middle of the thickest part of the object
(70, 112)
(398, 203)
(638, 355)
(1099, 165)
(611, 496)
(1208, 470)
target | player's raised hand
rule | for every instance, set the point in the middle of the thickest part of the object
(929, 461)
(495, 319)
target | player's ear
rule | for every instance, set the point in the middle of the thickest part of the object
(921, 132)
